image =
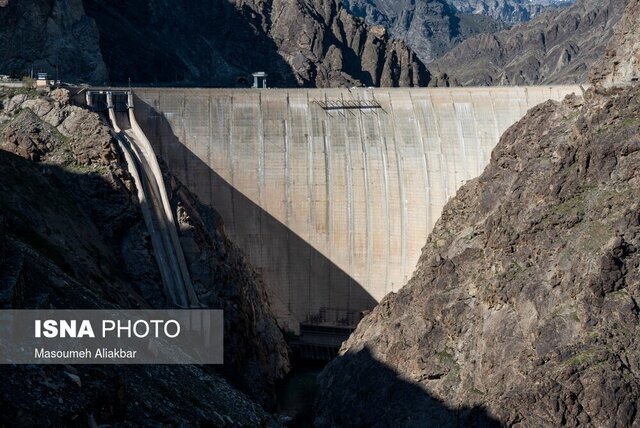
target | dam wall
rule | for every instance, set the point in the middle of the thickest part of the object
(331, 193)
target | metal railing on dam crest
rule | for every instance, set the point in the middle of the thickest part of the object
(331, 193)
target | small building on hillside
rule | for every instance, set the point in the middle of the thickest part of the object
(43, 81)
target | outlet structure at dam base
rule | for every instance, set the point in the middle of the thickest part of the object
(331, 193)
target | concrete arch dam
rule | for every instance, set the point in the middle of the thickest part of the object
(330, 193)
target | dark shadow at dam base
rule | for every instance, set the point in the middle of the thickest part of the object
(357, 390)
(313, 278)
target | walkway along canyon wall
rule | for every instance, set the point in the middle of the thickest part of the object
(330, 192)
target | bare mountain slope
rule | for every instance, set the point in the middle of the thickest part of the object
(621, 64)
(430, 28)
(45, 34)
(557, 47)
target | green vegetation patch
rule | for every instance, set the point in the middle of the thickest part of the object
(583, 358)
(572, 205)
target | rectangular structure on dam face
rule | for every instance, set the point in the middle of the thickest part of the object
(331, 193)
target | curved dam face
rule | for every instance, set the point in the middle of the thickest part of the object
(330, 193)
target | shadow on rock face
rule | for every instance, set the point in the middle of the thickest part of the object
(204, 42)
(64, 244)
(372, 394)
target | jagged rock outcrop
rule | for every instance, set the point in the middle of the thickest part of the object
(621, 64)
(73, 237)
(557, 47)
(306, 43)
(50, 36)
(430, 28)
(523, 309)
(325, 44)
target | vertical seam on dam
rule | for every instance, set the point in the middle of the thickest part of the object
(310, 187)
(287, 161)
(230, 160)
(350, 220)
(287, 192)
(261, 151)
(209, 146)
(261, 163)
(496, 125)
(329, 211)
(480, 148)
(385, 175)
(403, 207)
(183, 110)
(367, 198)
(441, 158)
(460, 138)
(425, 163)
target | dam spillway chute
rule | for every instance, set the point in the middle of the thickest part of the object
(152, 194)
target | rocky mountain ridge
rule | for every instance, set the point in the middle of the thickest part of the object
(217, 43)
(430, 28)
(50, 36)
(559, 46)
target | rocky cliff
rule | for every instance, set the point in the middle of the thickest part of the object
(559, 46)
(326, 45)
(72, 236)
(523, 309)
(621, 64)
(430, 28)
(50, 35)
(218, 43)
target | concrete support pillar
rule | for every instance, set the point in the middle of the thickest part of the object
(88, 98)
(110, 99)
(130, 99)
